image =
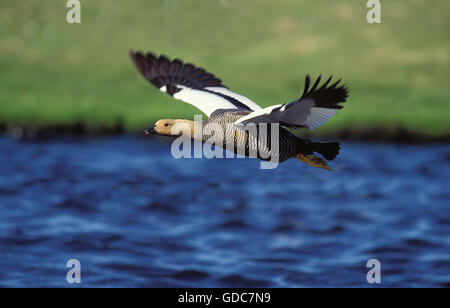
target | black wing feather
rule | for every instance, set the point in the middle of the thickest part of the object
(325, 96)
(160, 71)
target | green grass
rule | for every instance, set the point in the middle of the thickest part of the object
(56, 73)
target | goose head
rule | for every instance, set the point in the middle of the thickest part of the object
(170, 127)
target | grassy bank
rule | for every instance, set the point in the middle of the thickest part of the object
(56, 73)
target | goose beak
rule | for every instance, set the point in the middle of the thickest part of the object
(150, 131)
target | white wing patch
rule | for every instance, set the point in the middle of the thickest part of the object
(208, 102)
(301, 113)
(205, 101)
(244, 100)
(259, 116)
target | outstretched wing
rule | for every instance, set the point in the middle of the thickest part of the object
(190, 84)
(313, 109)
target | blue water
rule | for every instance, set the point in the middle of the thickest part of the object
(136, 217)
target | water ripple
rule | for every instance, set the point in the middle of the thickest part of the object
(136, 217)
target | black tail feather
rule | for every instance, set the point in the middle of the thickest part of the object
(329, 150)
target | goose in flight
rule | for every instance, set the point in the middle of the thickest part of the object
(230, 111)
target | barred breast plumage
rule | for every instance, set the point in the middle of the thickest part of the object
(249, 143)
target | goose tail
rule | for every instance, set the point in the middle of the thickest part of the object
(329, 150)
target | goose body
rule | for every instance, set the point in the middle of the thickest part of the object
(229, 112)
(249, 143)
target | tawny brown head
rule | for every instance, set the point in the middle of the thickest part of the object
(169, 127)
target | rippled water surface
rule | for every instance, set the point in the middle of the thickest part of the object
(136, 217)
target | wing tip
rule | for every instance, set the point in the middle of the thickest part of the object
(160, 70)
(327, 96)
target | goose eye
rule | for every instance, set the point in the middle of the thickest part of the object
(166, 124)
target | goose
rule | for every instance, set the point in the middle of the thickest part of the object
(227, 110)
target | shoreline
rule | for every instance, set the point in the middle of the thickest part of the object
(370, 134)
